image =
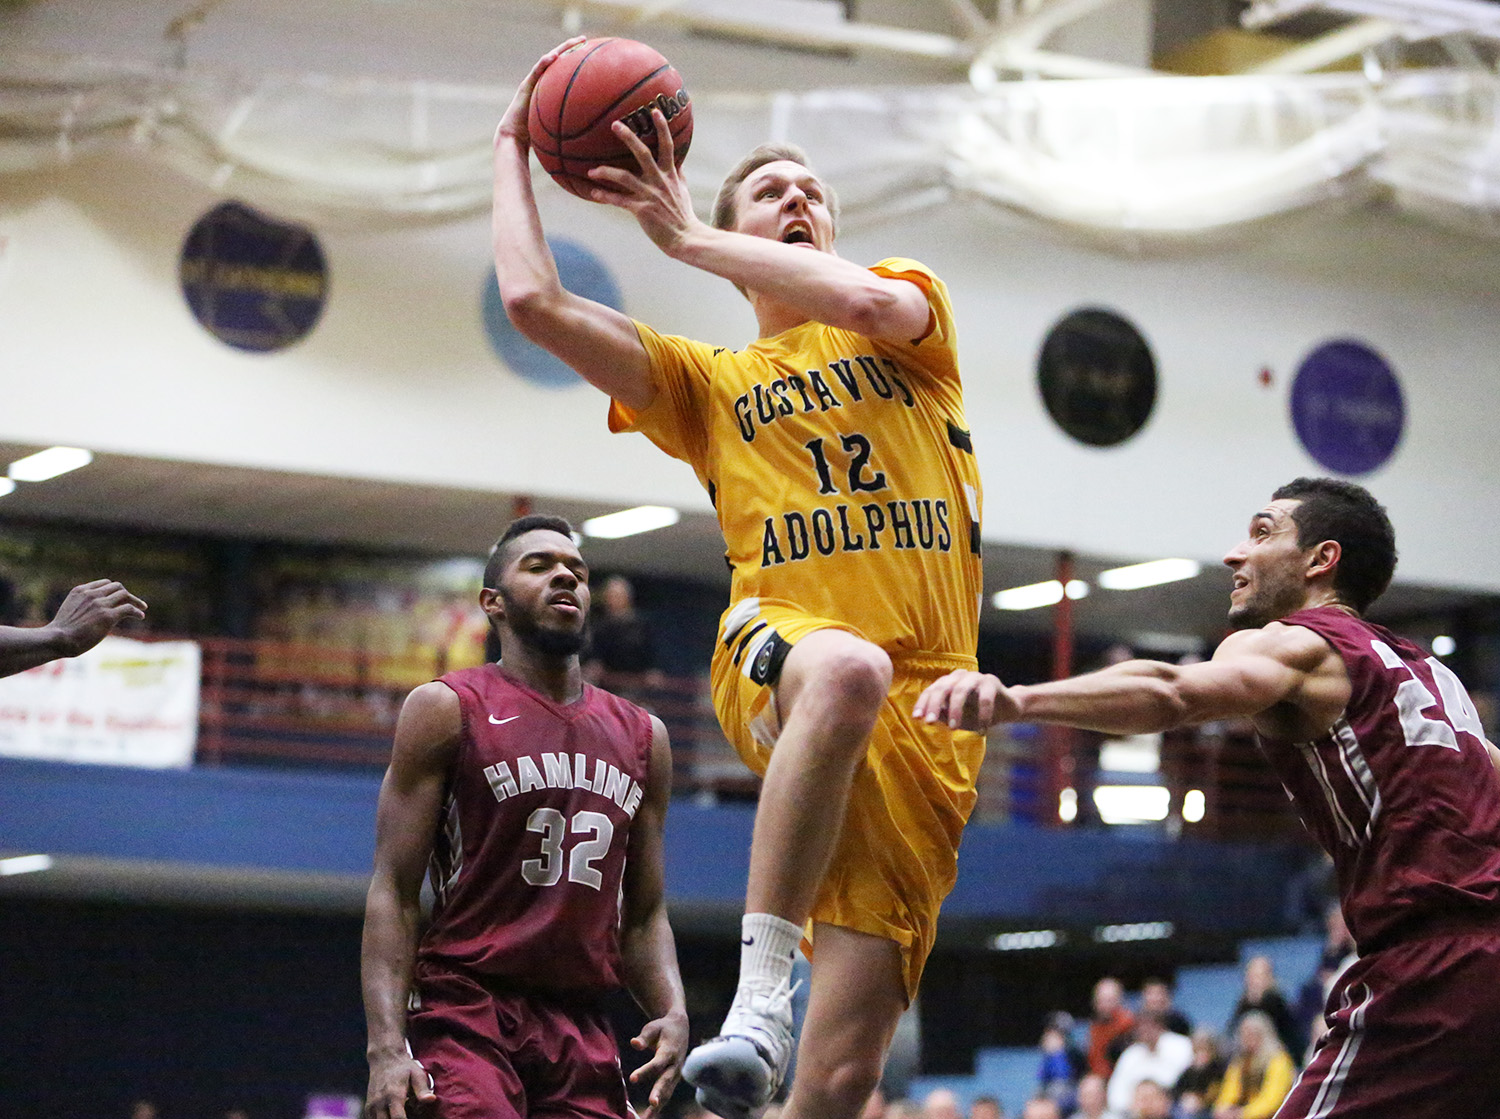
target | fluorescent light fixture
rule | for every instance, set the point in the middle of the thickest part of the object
(1131, 804)
(24, 864)
(6, 486)
(1067, 805)
(1194, 803)
(1443, 645)
(49, 463)
(1137, 930)
(1034, 595)
(1139, 575)
(628, 522)
(1023, 941)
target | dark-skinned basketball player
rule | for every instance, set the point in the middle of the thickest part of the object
(536, 803)
(835, 450)
(1380, 748)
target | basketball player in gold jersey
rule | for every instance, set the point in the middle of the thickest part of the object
(835, 451)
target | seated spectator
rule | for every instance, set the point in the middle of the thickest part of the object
(1198, 1087)
(1093, 1101)
(622, 647)
(941, 1104)
(1338, 953)
(986, 1107)
(903, 1109)
(1156, 1054)
(1150, 1101)
(1156, 995)
(1041, 1107)
(1261, 993)
(1062, 1061)
(1259, 1076)
(1109, 1028)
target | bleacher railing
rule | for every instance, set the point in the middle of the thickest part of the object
(265, 702)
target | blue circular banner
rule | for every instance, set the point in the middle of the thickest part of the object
(583, 274)
(253, 282)
(1347, 407)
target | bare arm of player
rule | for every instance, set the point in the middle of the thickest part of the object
(411, 796)
(597, 341)
(647, 949)
(823, 287)
(1251, 671)
(86, 617)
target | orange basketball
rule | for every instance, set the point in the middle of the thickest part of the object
(590, 86)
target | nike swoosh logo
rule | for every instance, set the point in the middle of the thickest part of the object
(747, 940)
(502, 722)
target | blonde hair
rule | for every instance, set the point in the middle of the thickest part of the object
(723, 214)
(1253, 1065)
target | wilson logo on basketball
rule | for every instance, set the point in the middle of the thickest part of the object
(639, 120)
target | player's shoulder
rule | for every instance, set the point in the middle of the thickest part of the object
(1295, 646)
(906, 268)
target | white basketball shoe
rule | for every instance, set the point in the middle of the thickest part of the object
(739, 1072)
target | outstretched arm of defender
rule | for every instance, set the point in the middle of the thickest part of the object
(823, 286)
(597, 341)
(1251, 671)
(405, 819)
(648, 951)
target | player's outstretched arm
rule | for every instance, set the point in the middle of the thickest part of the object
(648, 951)
(823, 286)
(411, 797)
(597, 341)
(1251, 671)
(86, 617)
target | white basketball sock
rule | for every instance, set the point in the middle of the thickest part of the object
(768, 948)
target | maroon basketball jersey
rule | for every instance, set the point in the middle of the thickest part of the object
(530, 851)
(1400, 792)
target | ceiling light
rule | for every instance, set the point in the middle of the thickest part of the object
(1034, 595)
(1131, 804)
(6, 486)
(1139, 575)
(1443, 645)
(1194, 804)
(49, 463)
(628, 522)
(24, 864)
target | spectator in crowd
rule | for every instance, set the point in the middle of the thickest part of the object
(1157, 996)
(986, 1107)
(941, 1104)
(903, 1109)
(1150, 1101)
(1041, 1107)
(1197, 1088)
(622, 647)
(143, 1109)
(1093, 1099)
(1261, 1073)
(1156, 1054)
(1261, 993)
(1109, 1028)
(87, 615)
(1062, 1061)
(1338, 953)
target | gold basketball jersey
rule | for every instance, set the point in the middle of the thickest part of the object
(840, 466)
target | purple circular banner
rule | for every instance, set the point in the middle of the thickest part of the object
(1347, 407)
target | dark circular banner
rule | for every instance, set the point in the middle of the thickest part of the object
(582, 273)
(1347, 407)
(1097, 377)
(253, 282)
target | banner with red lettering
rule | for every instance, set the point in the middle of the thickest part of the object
(124, 702)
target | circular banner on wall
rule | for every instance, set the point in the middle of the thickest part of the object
(1347, 407)
(583, 274)
(253, 282)
(1097, 377)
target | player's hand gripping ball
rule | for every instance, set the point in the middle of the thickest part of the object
(580, 96)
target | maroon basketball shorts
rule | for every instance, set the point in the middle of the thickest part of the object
(495, 1055)
(1413, 1031)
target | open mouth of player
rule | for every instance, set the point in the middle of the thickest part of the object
(565, 604)
(797, 235)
